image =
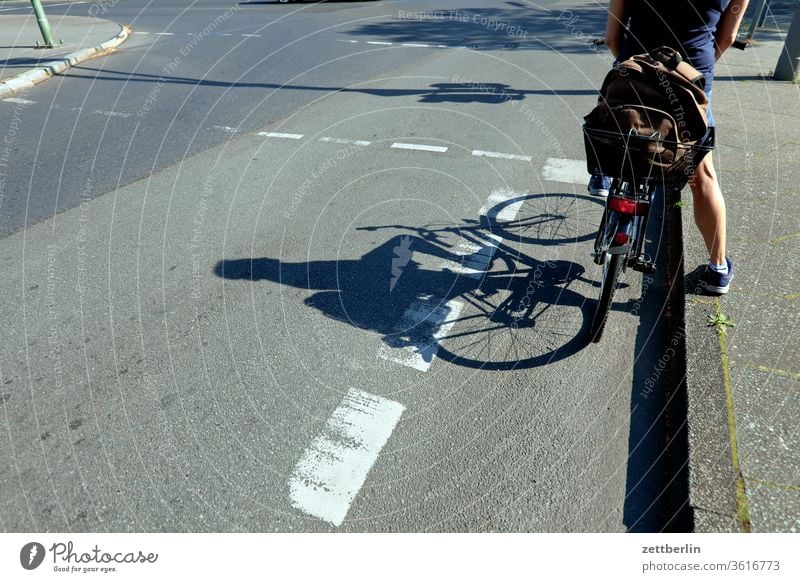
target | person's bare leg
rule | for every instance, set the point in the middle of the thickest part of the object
(709, 209)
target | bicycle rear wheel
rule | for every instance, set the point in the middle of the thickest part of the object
(611, 270)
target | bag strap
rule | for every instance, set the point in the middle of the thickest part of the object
(673, 60)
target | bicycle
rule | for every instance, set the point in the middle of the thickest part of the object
(620, 240)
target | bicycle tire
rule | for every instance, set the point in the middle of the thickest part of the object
(611, 274)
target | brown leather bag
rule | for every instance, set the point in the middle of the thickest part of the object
(656, 106)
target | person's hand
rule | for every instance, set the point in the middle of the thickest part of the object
(728, 26)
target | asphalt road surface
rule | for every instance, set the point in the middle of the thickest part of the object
(321, 267)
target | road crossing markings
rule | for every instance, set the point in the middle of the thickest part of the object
(332, 470)
(481, 153)
(18, 101)
(280, 135)
(420, 147)
(421, 327)
(566, 171)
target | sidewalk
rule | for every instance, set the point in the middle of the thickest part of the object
(22, 65)
(743, 386)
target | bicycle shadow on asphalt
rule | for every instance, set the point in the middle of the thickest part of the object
(501, 309)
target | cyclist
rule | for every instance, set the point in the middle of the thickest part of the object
(702, 30)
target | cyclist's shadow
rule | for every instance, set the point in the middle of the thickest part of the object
(519, 316)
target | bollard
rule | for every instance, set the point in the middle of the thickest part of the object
(788, 67)
(44, 25)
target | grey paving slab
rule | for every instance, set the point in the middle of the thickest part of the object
(710, 522)
(757, 162)
(773, 509)
(767, 429)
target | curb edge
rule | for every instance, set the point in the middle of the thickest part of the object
(44, 71)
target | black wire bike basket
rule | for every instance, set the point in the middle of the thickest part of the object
(635, 157)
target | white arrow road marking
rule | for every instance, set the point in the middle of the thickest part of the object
(420, 329)
(332, 470)
(566, 171)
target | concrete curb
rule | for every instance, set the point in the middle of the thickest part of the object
(713, 468)
(46, 70)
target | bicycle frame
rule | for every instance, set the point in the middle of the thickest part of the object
(624, 224)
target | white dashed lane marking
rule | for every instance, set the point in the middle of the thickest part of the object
(420, 147)
(430, 319)
(481, 153)
(565, 171)
(498, 207)
(402, 146)
(505, 46)
(357, 142)
(280, 135)
(18, 101)
(112, 114)
(145, 32)
(421, 327)
(332, 470)
(476, 258)
(501, 206)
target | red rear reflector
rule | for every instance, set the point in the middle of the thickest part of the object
(620, 239)
(624, 206)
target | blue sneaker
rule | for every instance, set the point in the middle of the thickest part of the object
(715, 282)
(599, 185)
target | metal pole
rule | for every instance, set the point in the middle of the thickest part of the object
(44, 26)
(763, 16)
(758, 17)
(788, 67)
